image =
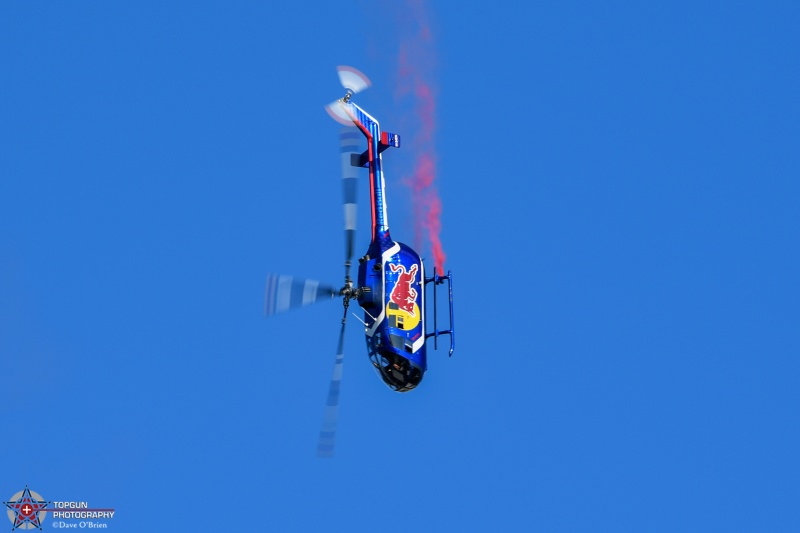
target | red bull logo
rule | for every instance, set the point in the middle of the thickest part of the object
(403, 294)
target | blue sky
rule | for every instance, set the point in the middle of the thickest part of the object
(620, 210)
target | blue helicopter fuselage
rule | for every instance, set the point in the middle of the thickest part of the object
(391, 276)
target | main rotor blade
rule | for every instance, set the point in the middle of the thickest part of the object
(286, 292)
(327, 436)
(348, 142)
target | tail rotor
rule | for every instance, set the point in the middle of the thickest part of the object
(354, 81)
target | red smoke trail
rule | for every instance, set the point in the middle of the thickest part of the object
(416, 64)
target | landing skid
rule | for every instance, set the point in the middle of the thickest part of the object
(438, 280)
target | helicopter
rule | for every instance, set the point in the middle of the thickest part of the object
(390, 286)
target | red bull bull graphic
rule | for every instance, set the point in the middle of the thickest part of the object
(403, 294)
(403, 306)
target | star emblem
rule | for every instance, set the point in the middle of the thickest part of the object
(26, 509)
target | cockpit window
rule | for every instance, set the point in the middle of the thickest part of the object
(398, 372)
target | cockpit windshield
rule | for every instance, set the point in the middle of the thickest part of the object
(397, 371)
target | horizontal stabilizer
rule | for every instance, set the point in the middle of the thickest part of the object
(388, 140)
